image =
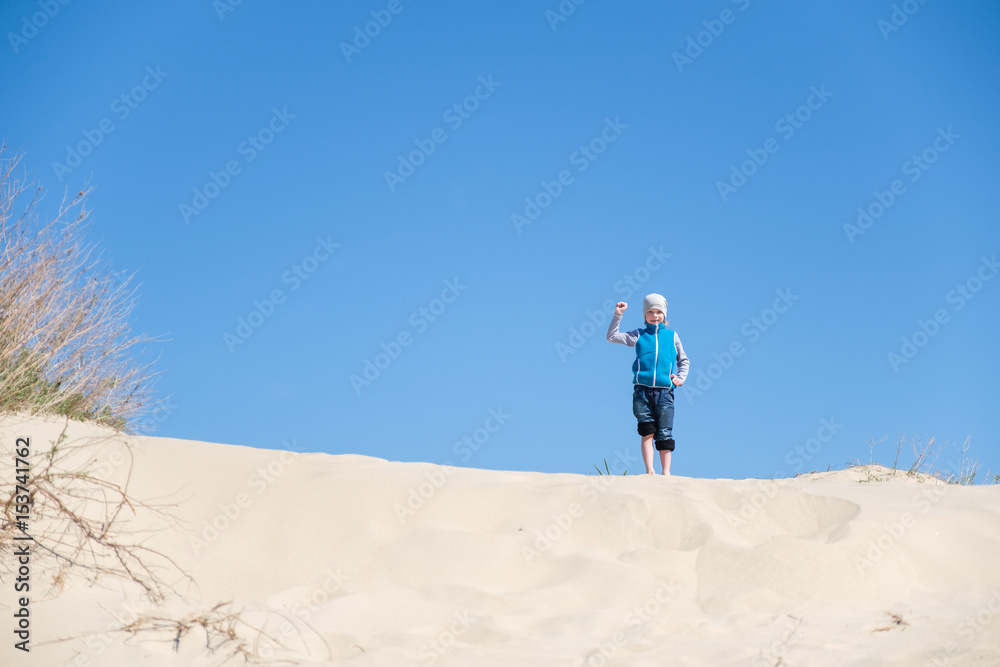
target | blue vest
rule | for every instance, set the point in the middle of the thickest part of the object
(655, 356)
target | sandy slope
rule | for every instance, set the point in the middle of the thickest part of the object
(361, 561)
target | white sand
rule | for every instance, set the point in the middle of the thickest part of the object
(513, 568)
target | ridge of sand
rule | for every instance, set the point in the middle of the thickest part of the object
(350, 559)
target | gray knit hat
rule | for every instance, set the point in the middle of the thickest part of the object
(654, 301)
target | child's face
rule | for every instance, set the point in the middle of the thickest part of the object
(654, 316)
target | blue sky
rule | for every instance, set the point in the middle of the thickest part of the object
(715, 152)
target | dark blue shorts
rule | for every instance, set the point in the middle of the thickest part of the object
(654, 410)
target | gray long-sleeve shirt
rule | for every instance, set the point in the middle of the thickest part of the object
(630, 337)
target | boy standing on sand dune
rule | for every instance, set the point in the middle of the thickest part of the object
(658, 354)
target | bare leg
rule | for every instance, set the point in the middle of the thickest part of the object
(647, 453)
(665, 461)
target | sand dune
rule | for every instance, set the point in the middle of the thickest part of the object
(361, 561)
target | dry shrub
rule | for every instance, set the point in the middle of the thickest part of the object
(65, 343)
(80, 520)
(66, 349)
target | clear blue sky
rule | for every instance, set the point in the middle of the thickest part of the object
(833, 104)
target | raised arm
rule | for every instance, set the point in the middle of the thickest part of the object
(614, 336)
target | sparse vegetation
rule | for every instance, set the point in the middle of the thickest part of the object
(225, 632)
(607, 469)
(65, 342)
(78, 515)
(962, 470)
(66, 350)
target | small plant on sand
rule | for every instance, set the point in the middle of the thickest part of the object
(963, 471)
(607, 470)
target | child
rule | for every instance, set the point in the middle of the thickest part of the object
(658, 354)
